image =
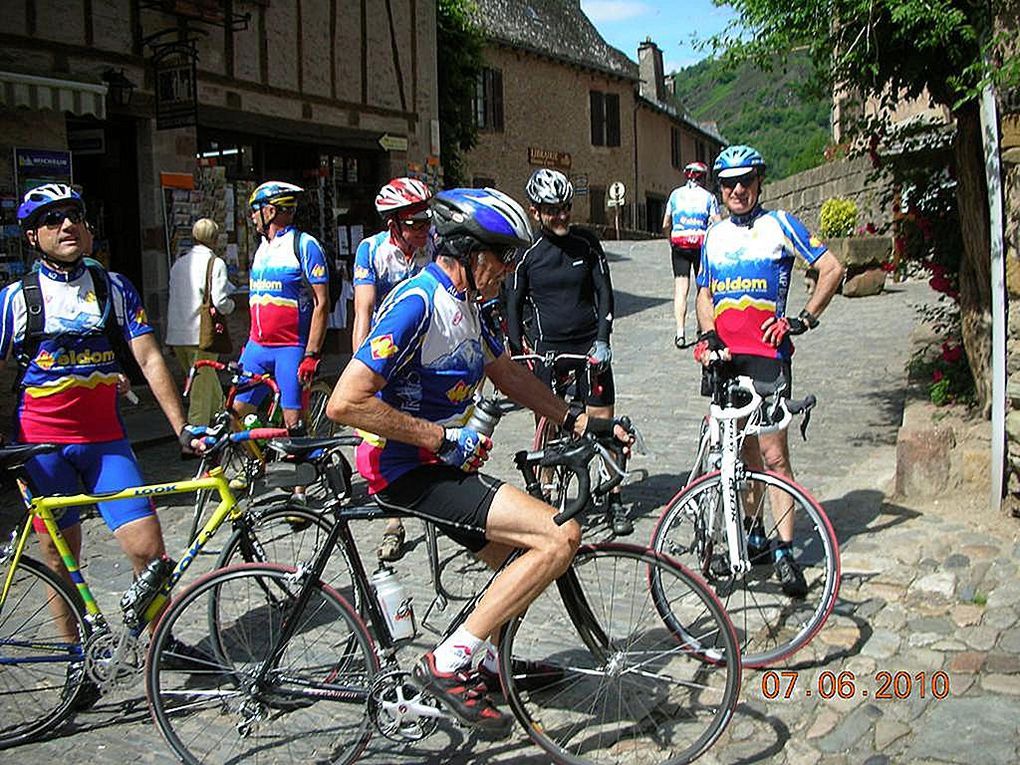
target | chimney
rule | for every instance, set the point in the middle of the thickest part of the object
(653, 83)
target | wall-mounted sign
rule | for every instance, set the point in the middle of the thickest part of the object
(176, 85)
(34, 167)
(559, 160)
(580, 183)
(393, 142)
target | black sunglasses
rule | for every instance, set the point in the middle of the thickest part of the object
(554, 210)
(731, 183)
(55, 218)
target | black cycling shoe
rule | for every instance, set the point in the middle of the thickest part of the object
(616, 517)
(179, 655)
(528, 676)
(89, 693)
(758, 549)
(790, 577)
(465, 696)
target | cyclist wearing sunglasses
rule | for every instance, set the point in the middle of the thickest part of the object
(743, 288)
(412, 383)
(564, 278)
(69, 377)
(381, 263)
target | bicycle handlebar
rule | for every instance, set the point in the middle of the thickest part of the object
(550, 358)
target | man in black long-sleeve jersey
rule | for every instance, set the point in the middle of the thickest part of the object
(564, 278)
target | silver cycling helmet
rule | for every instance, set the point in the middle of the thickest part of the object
(549, 187)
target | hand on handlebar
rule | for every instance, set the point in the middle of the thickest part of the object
(710, 348)
(600, 353)
(616, 430)
(191, 439)
(464, 448)
(775, 329)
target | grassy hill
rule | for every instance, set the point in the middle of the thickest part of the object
(767, 110)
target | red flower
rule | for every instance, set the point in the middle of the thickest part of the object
(940, 284)
(951, 354)
(888, 267)
(936, 375)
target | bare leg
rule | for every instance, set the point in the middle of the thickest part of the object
(771, 451)
(681, 286)
(64, 618)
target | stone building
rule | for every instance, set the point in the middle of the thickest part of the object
(135, 97)
(555, 94)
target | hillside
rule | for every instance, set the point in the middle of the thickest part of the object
(764, 109)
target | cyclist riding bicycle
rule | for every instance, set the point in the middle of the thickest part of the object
(411, 384)
(564, 278)
(70, 373)
(743, 287)
(690, 210)
(289, 303)
(383, 261)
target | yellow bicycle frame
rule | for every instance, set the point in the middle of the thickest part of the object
(43, 507)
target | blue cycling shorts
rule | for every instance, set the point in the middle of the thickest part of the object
(99, 468)
(282, 362)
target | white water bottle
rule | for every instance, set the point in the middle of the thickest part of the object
(394, 602)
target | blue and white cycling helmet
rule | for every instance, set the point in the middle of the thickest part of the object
(549, 187)
(41, 198)
(275, 193)
(468, 220)
(734, 161)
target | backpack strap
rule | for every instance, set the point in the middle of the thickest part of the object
(109, 325)
(35, 325)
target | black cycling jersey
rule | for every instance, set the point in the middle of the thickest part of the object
(565, 280)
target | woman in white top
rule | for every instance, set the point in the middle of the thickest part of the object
(187, 291)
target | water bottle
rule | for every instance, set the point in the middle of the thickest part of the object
(394, 602)
(144, 590)
(484, 417)
(251, 421)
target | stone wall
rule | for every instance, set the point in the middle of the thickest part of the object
(803, 194)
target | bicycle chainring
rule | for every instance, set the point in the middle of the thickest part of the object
(114, 660)
(400, 709)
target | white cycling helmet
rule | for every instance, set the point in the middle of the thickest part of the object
(407, 196)
(549, 187)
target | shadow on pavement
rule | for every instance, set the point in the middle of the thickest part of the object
(854, 514)
(627, 303)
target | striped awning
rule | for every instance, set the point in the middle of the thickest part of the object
(34, 92)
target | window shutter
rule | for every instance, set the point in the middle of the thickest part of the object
(612, 119)
(598, 117)
(497, 99)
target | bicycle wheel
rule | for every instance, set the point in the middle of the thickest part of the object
(610, 682)
(771, 626)
(290, 536)
(312, 705)
(234, 460)
(42, 628)
(558, 483)
(316, 421)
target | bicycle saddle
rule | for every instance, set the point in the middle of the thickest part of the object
(300, 448)
(16, 455)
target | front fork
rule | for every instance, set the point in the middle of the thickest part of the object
(736, 537)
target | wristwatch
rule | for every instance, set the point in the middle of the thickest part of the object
(808, 318)
(317, 355)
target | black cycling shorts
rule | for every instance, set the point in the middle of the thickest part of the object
(602, 377)
(457, 502)
(761, 369)
(685, 260)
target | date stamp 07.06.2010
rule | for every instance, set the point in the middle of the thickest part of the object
(882, 685)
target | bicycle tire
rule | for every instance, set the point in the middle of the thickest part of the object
(771, 625)
(625, 688)
(316, 421)
(313, 708)
(233, 460)
(290, 536)
(558, 483)
(38, 693)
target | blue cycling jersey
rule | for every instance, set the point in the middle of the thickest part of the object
(690, 209)
(431, 346)
(381, 263)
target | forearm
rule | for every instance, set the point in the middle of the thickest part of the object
(706, 310)
(374, 415)
(830, 274)
(164, 389)
(522, 387)
(317, 332)
(362, 321)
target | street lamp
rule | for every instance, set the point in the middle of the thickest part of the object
(119, 87)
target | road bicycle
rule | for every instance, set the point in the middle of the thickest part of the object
(299, 676)
(725, 523)
(53, 635)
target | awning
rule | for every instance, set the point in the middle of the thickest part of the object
(48, 93)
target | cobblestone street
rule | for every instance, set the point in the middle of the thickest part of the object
(926, 587)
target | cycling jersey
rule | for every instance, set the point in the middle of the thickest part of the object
(566, 281)
(430, 344)
(746, 264)
(68, 394)
(690, 207)
(281, 297)
(382, 264)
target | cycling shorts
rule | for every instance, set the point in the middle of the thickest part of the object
(280, 361)
(761, 369)
(602, 377)
(105, 467)
(457, 502)
(685, 260)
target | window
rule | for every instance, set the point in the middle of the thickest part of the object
(702, 151)
(605, 118)
(676, 154)
(597, 196)
(488, 100)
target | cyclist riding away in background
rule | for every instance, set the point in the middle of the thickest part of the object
(690, 210)
(69, 373)
(289, 303)
(411, 384)
(742, 312)
(564, 277)
(383, 261)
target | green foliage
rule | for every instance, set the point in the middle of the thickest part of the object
(942, 366)
(775, 113)
(458, 64)
(838, 217)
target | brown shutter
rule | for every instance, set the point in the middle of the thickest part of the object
(598, 119)
(497, 100)
(612, 119)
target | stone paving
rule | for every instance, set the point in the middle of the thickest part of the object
(926, 587)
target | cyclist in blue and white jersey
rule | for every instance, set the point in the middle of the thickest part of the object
(288, 299)
(411, 384)
(690, 210)
(67, 390)
(383, 261)
(743, 287)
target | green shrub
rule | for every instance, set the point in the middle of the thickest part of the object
(839, 217)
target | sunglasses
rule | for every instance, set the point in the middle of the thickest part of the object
(415, 223)
(731, 183)
(55, 218)
(553, 210)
